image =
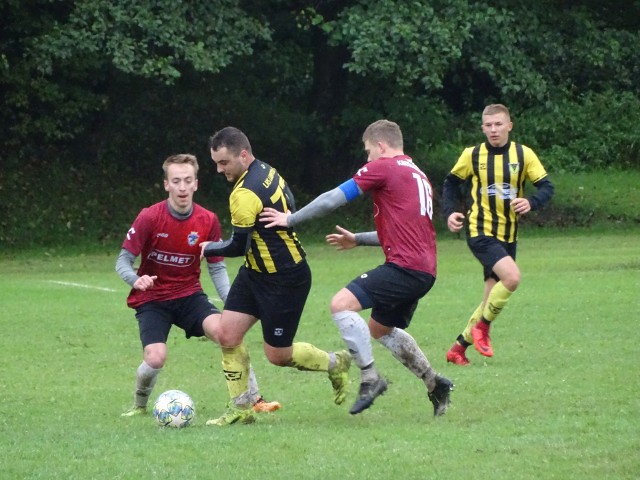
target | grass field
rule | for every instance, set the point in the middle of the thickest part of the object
(558, 401)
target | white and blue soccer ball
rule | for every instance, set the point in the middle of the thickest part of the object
(174, 408)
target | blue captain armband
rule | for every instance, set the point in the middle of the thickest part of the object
(350, 189)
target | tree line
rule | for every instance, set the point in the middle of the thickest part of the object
(96, 93)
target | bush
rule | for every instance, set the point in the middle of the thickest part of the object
(597, 131)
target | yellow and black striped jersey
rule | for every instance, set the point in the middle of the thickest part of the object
(272, 249)
(497, 177)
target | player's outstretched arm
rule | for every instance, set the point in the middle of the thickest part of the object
(343, 240)
(320, 206)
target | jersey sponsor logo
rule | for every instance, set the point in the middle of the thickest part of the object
(172, 259)
(503, 191)
(193, 238)
(267, 181)
(163, 235)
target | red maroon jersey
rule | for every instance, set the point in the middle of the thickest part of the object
(402, 210)
(170, 249)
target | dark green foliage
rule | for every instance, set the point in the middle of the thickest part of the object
(596, 131)
(97, 93)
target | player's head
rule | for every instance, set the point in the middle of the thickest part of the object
(181, 159)
(181, 180)
(496, 124)
(231, 138)
(381, 138)
(231, 152)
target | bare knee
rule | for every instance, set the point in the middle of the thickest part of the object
(211, 327)
(280, 357)
(511, 281)
(344, 300)
(155, 355)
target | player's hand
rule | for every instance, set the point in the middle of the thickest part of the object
(145, 282)
(455, 221)
(343, 240)
(520, 205)
(274, 217)
(202, 247)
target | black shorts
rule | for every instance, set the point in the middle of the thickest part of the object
(391, 292)
(276, 299)
(156, 318)
(489, 250)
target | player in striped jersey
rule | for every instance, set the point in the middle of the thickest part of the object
(273, 284)
(497, 170)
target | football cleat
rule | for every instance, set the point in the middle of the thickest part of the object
(233, 415)
(367, 394)
(339, 376)
(440, 396)
(457, 357)
(135, 411)
(262, 406)
(481, 340)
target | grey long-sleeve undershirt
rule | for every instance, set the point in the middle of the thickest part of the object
(326, 203)
(217, 273)
(320, 206)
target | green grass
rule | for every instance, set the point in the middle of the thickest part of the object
(559, 400)
(606, 198)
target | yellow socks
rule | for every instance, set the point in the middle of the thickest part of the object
(498, 298)
(475, 318)
(307, 357)
(235, 364)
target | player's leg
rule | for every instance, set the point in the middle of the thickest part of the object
(154, 325)
(282, 307)
(236, 366)
(456, 354)
(497, 294)
(345, 305)
(211, 327)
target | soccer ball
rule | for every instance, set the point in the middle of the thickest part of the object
(174, 408)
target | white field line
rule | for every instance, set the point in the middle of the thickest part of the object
(81, 285)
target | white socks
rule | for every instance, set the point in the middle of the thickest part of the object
(405, 349)
(145, 380)
(355, 333)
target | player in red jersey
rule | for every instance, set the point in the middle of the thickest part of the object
(166, 289)
(402, 208)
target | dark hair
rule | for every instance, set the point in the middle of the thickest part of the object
(232, 138)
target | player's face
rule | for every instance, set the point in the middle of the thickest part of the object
(181, 183)
(373, 149)
(496, 128)
(230, 165)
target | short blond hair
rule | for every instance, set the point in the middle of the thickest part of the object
(181, 159)
(496, 108)
(384, 131)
